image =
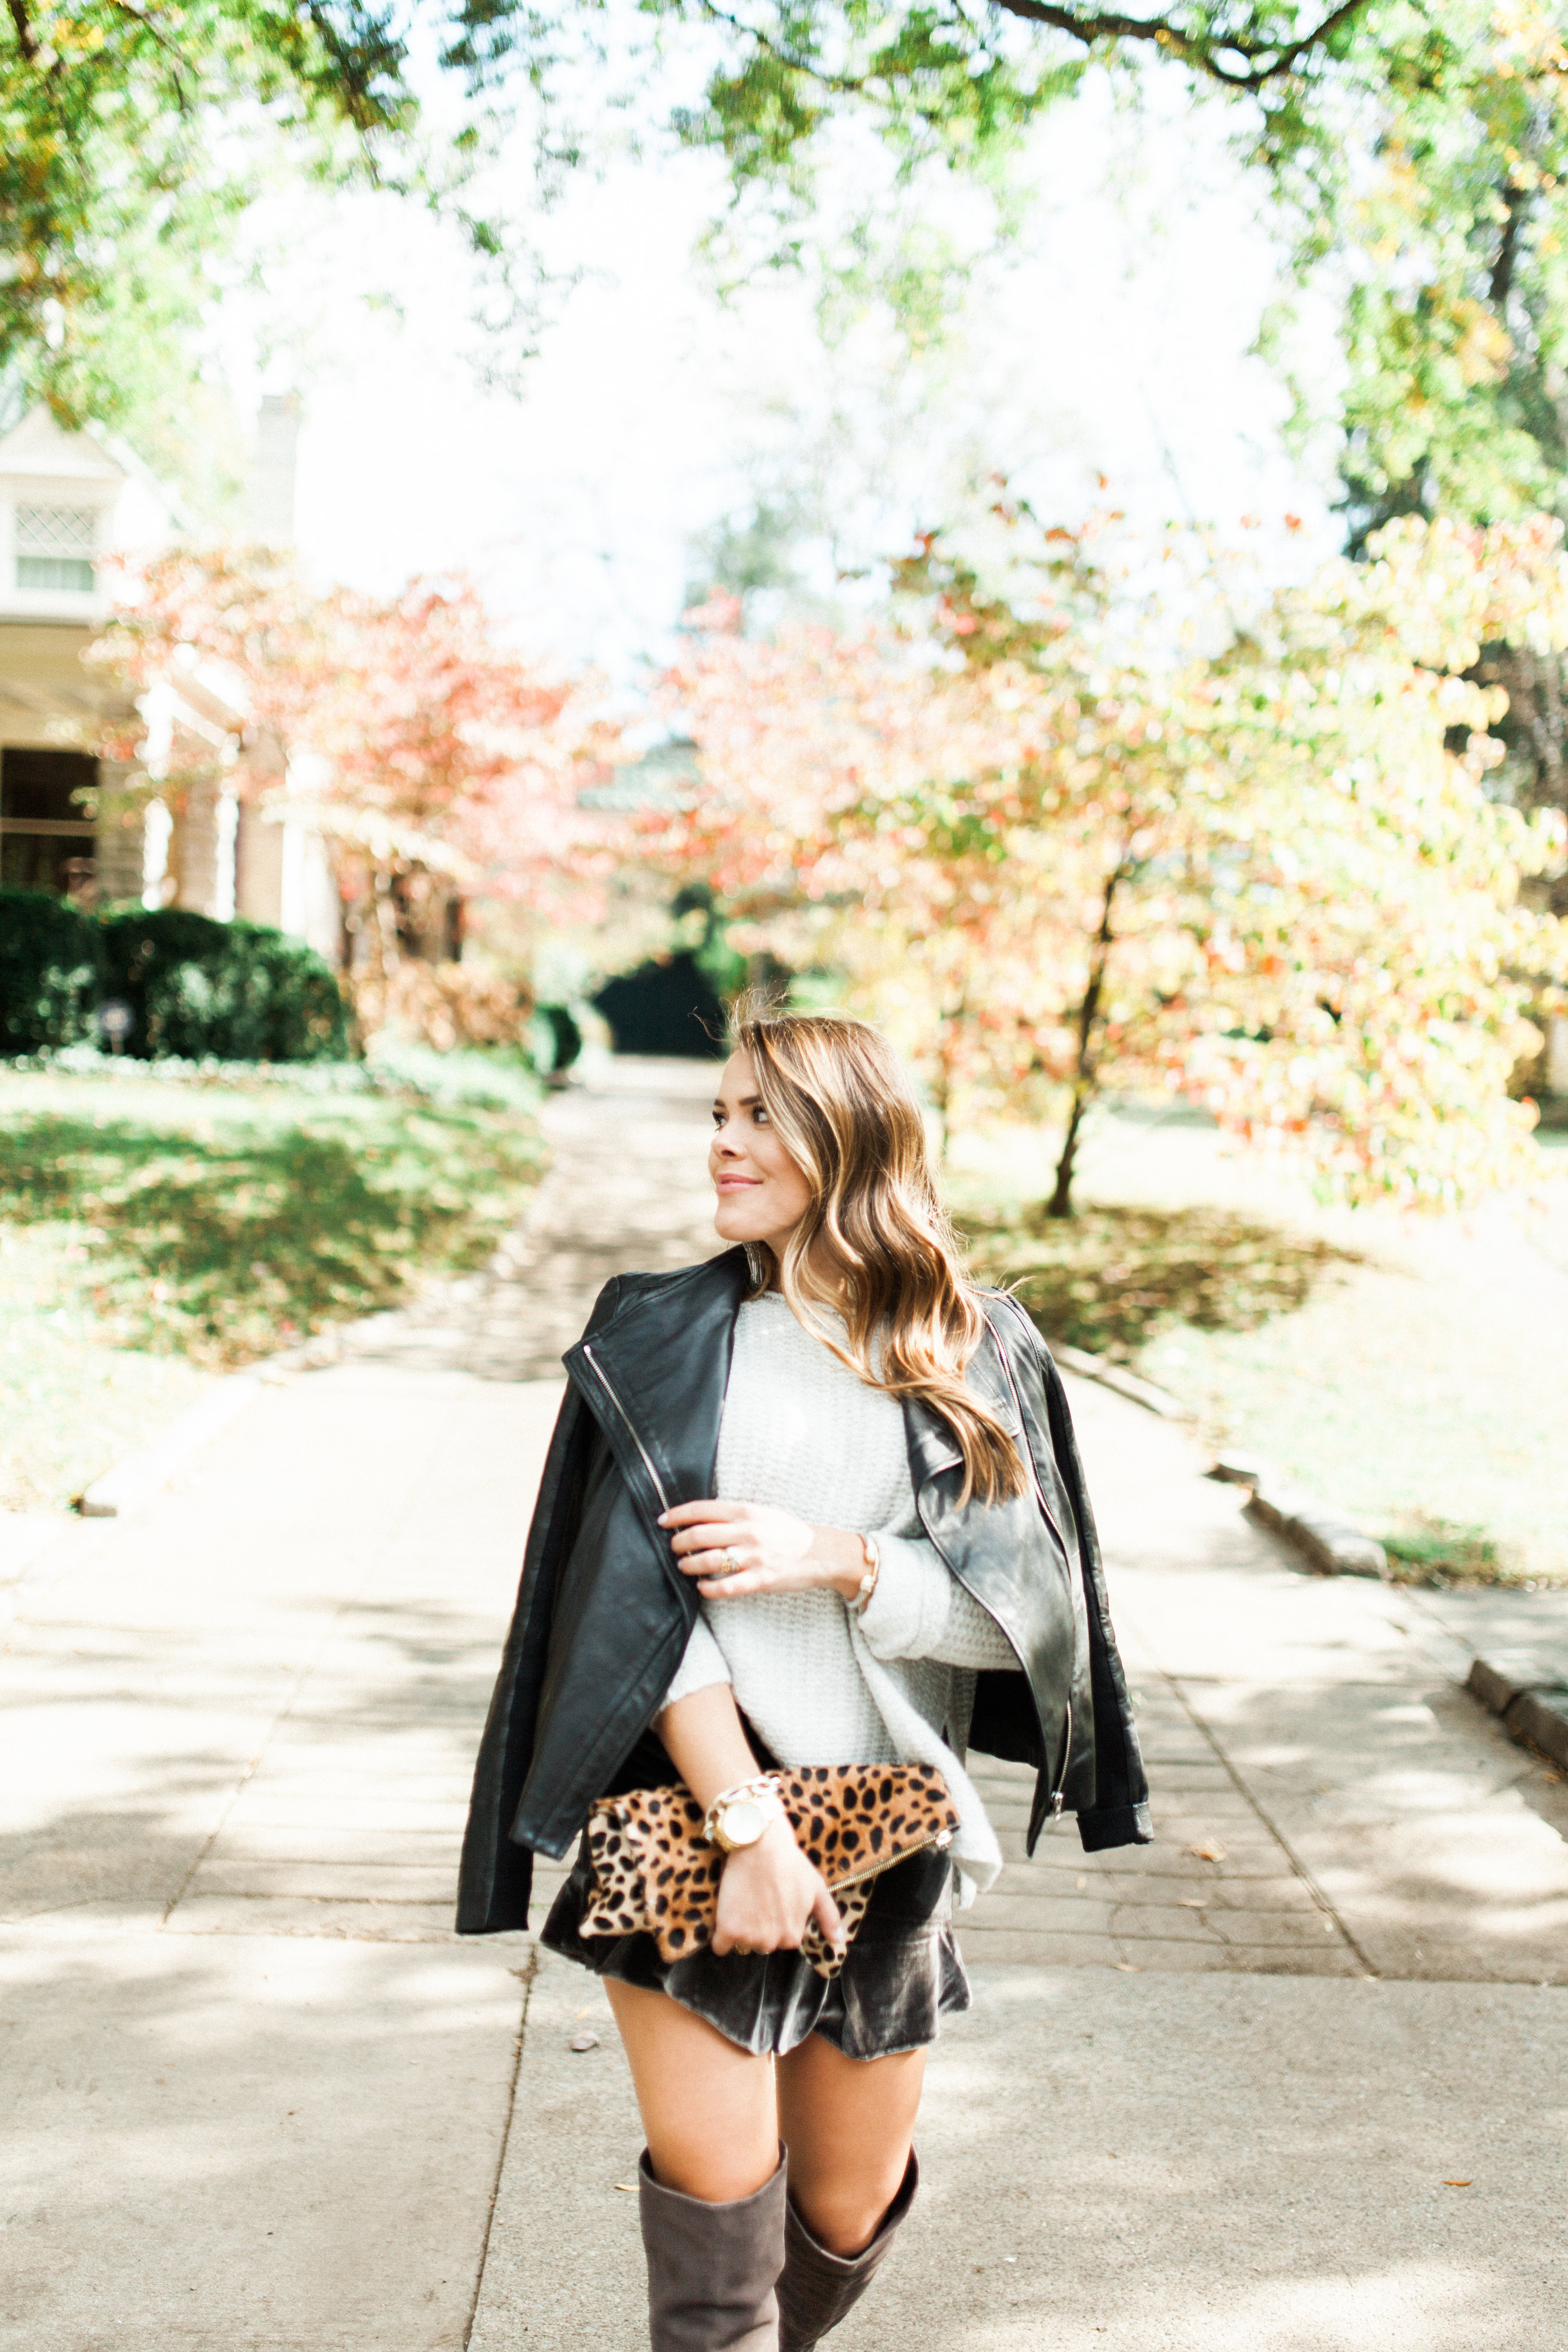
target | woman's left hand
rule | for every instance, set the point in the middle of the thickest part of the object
(776, 1552)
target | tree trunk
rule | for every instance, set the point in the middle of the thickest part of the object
(1086, 1066)
(1061, 1202)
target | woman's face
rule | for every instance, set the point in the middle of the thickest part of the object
(762, 1193)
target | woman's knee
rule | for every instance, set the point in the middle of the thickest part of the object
(720, 2174)
(844, 2213)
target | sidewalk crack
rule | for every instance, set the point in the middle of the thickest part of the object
(1281, 1840)
(528, 1976)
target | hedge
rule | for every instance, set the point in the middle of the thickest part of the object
(238, 992)
(52, 966)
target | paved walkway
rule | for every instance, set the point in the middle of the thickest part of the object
(1211, 2094)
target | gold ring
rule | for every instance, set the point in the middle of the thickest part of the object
(741, 1951)
(729, 1565)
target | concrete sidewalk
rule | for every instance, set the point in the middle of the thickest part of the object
(1159, 2163)
(1211, 2094)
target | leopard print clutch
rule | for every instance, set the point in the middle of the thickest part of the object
(654, 1872)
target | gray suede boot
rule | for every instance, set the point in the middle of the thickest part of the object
(712, 2269)
(816, 2288)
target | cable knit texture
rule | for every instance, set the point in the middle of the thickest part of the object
(823, 1683)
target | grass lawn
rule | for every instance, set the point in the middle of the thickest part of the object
(153, 1235)
(1412, 1369)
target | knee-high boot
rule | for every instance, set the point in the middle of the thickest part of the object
(816, 2288)
(712, 2269)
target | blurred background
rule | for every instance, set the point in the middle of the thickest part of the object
(1047, 533)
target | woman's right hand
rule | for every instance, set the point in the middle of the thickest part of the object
(767, 1893)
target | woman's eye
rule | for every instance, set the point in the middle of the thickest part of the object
(760, 1116)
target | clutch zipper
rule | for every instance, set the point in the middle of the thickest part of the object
(607, 1386)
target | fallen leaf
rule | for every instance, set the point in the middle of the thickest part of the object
(1127, 1968)
(1458, 2184)
(584, 2040)
(629, 2187)
(1210, 1851)
(1193, 1903)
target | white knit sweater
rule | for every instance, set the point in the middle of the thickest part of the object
(823, 1682)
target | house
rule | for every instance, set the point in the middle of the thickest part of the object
(66, 500)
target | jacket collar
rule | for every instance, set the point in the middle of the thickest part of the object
(656, 1373)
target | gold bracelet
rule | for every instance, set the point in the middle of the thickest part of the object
(872, 1551)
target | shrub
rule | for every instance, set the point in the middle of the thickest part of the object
(445, 1005)
(238, 991)
(51, 973)
(556, 1038)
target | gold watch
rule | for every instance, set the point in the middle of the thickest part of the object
(739, 1816)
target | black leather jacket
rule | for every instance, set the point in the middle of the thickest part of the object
(603, 1613)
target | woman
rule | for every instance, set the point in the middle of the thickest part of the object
(813, 1501)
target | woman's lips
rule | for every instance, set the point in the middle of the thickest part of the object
(737, 1184)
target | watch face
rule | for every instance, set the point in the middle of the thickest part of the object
(744, 1821)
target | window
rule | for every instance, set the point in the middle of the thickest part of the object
(46, 835)
(55, 547)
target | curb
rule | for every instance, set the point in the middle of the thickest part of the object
(1531, 1697)
(24, 1536)
(140, 1474)
(1331, 1544)
(131, 1482)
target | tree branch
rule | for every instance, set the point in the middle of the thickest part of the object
(24, 40)
(1266, 59)
(138, 16)
(1516, 204)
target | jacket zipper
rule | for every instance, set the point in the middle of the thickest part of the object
(1058, 1795)
(606, 1384)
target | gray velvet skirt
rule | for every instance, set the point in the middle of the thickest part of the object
(901, 1976)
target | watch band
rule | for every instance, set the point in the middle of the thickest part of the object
(871, 1552)
(763, 1790)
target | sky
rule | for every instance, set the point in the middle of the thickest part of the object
(1112, 341)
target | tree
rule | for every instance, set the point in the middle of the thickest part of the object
(1055, 858)
(1419, 153)
(432, 758)
(130, 138)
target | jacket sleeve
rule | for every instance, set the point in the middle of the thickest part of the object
(1120, 1814)
(495, 1876)
(918, 1609)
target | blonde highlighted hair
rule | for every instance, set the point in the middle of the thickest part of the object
(875, 1243)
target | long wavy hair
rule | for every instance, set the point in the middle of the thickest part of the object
(875, 1243)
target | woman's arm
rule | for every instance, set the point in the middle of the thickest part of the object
(919, 1610)
(768, 1890)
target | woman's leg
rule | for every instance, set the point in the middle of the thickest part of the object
(848, 2123)
(711, 2186)
(709, 2108)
